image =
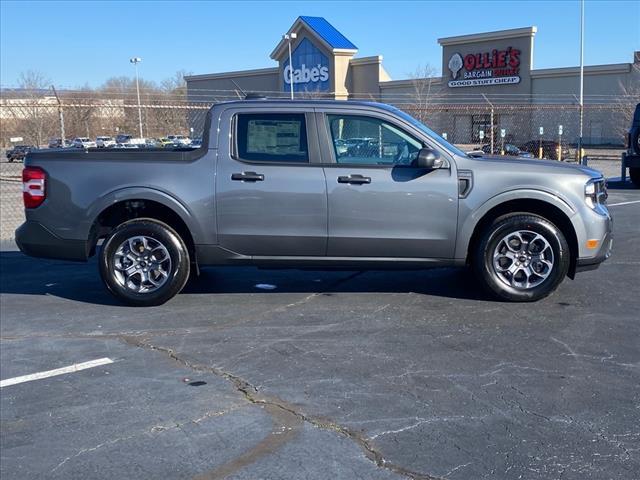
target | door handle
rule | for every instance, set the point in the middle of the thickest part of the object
(354, 179)
(247, 177)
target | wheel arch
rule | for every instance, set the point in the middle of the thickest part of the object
(142, 203)
(557, 212)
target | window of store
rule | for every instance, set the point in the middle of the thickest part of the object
(483, 122)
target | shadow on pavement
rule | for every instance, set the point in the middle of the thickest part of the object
(20, 274)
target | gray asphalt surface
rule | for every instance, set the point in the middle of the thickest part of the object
(329, 375)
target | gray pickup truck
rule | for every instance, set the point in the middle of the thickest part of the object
(314, 184)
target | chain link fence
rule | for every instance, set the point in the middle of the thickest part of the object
(471, 126)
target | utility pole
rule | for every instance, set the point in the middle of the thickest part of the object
(581, 158)
(61, 115)
(136, 61)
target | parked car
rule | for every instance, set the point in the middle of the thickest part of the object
(57, 143)
(243, 199)
(123, 138)
(165, 143)
(550, 149)
(126, 145)
(631, 158)
(19, 152)
(105, 142)
(509, 149)
(179, 139)
(196, 143)
(83, 142)
(140, 142)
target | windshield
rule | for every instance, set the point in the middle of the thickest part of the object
(421, 126)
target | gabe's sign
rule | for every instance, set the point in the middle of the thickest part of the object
(497, 67)
(309, 69)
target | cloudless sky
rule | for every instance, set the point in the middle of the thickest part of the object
(78, 43)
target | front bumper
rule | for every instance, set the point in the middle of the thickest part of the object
(35, 240)
(584, 264)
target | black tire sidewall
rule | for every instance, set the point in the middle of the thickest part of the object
(178, 252)
(483, 261)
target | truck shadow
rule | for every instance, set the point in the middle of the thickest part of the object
(23, 275)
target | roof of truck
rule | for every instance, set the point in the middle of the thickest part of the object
(285, 101)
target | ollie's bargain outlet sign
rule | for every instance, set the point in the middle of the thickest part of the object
(495, 67)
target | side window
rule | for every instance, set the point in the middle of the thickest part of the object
(359, 140)
(272, 137)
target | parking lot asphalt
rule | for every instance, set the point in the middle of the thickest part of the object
(276, 374)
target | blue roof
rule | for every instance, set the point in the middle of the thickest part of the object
(328, 33)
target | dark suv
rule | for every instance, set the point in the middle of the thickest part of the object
(18, 152)
(632, 155)
(549, 149)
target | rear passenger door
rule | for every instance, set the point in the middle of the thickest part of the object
(270, 187)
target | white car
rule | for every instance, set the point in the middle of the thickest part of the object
(105, 142)
(179, 139)
(83, 142)
(126, 145)
(138, 142)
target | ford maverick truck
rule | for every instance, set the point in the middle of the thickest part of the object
(313, 184)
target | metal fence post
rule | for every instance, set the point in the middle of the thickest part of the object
(492, 127)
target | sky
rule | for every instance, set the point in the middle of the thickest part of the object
(84, 43)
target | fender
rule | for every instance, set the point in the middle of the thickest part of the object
(153, 194)
(467, 225)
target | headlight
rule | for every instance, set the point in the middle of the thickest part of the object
(595, 192)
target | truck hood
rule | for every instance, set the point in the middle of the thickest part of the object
(542, 165)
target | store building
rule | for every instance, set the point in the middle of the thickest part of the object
(480, 71)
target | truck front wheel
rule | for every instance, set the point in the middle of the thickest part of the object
(144, 262)
(521, 257)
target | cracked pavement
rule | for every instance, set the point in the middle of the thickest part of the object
(373, 375)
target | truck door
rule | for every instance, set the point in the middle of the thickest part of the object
(379, 204)
(270, 188)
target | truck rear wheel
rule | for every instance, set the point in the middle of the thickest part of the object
(144, 262)
(521, 257)
(634, 175)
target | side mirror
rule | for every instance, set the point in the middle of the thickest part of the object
(428, 158)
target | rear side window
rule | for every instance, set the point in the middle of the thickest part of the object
(272, 137)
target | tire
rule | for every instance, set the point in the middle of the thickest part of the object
(634, 175)
(144, 262)
(538, 266)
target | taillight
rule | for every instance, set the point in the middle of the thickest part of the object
(33, 186)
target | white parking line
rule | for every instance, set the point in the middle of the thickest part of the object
(76, 367)
(623, 203)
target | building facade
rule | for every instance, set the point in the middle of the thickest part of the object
(488, 88)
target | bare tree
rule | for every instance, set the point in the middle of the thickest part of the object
(36, 119)
(176, 85)
(630, 97)
(80, 117)
(424, 84)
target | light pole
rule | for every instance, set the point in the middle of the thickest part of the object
(581, 159)
(288, 37)
(136, 61)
